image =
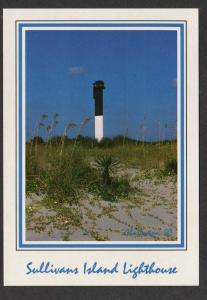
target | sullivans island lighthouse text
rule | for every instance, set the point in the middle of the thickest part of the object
(98, 87)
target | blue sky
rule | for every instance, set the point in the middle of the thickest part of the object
(139, 69)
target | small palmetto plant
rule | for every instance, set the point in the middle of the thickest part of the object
(107, 165)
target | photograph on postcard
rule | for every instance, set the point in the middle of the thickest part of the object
(101, 137)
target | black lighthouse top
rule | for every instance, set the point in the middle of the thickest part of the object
(98, 87)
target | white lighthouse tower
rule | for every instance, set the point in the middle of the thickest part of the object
(98, 88)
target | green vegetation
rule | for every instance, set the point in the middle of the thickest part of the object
(171, 166)
(107, 165)
(64, 171)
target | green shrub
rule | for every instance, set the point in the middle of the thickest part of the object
(55, 140)
(65, 179)
(86, 141)
(37, 140)
(105, 143)
(171, 166)
(32, 165)
(119, 188)
(32, 186)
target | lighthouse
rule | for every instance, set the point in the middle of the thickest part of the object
(98, 88)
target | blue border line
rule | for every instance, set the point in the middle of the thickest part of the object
(21, 245)
(19, 158)
(100, 25)
(182, 173)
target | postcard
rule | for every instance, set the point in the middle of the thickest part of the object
(101, 147)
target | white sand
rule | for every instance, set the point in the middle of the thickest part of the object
(148, 214)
